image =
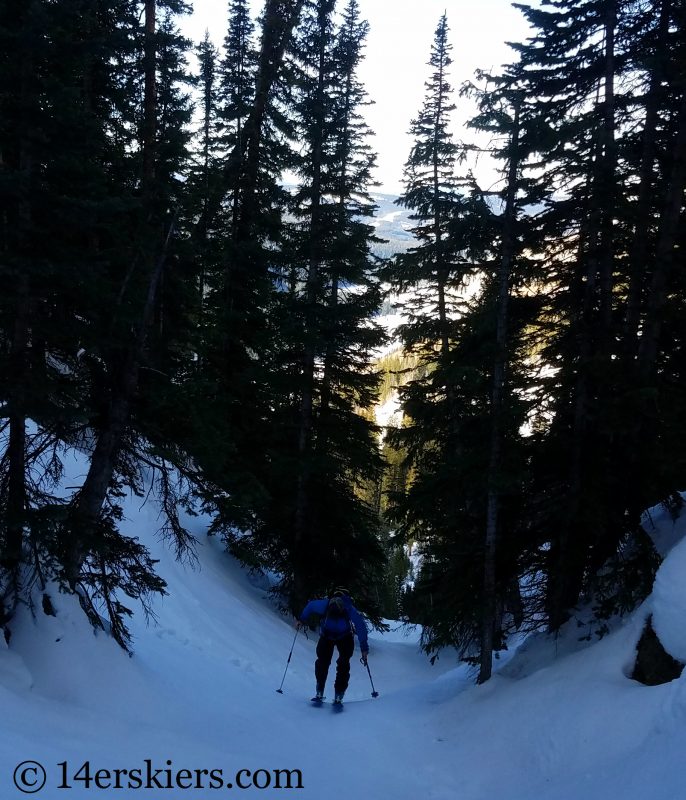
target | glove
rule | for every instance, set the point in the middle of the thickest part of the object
(365, 653)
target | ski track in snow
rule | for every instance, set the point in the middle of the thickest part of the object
(560, 720)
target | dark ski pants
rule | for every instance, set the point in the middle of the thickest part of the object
(325, 648)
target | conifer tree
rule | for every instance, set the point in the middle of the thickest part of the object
(237, 86)
(431, 192)
(328, 448)
(99, 562)
(464, 493)
(102, 177)
(498, 400)
(594, 125)
(204, 171)
(236, 233)
(60, 140)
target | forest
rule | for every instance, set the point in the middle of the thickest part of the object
(208, 333)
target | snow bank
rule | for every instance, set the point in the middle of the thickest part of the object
(669, 602)
(663, 528)
(560, 720)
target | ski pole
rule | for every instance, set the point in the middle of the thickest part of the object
(374, 692)
(280, 689)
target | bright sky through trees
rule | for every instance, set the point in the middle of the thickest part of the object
(394, 70)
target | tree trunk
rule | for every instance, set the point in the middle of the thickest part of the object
(241, 170)
(16, 453)
(18, 233)
(149, 99)
(607, 186)
(325, 397)
(596, 254)
(565, 569)
(306, 412)
(280, 18)
(441, 268)
(342, 194)
(489, 603)
(124, 383)
(91, 497)
(638, 254)
(667, 243)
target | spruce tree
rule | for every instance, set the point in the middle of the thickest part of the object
(60, 211)
(327, 448)
(99, 562)
(464, 502)
(236, 235)
(102, 179)
(236, 86)
(597, 104)
(431, 192)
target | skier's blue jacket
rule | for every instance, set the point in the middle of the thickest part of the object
(337, 628)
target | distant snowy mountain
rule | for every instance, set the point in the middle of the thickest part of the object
(392, 223)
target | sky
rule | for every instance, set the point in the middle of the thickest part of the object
(395, 67)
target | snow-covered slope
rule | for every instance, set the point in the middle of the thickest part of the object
(558, 721)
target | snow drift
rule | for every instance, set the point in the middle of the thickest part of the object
(560, 720)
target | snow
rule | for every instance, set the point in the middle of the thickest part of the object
(663, 528)
(669, 602)
(389, 413)
(560, 720)
(390, 218)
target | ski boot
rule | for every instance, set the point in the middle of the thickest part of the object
(319, 696)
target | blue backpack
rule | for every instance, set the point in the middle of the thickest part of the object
(335, 623)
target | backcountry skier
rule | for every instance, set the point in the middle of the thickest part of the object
(337, 615)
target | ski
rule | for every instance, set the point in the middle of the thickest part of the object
(317, 701)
